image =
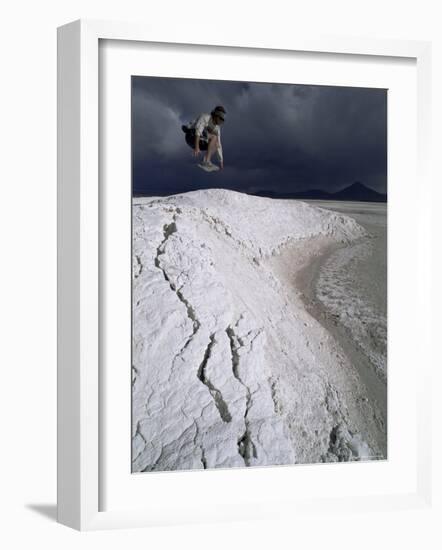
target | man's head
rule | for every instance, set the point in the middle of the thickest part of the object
(218, 114)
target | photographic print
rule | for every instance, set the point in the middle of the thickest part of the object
(259, 274)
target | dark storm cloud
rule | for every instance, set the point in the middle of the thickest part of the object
(280, 137)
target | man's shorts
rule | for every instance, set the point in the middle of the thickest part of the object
(190, 138)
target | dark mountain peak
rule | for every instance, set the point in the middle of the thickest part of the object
(360, 192)
(357, 185)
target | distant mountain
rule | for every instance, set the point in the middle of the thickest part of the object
(359, 192)
(355, 192)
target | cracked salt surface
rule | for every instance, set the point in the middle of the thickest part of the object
(229, 369)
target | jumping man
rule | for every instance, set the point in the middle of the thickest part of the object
(204, 134)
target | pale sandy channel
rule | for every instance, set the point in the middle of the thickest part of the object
(369, 281)
(302, 266)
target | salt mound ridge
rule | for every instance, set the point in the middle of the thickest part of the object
(228, 367)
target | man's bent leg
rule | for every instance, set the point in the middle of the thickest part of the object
(213, 142)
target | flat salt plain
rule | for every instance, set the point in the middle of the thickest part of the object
(348, 294)
(235, 360)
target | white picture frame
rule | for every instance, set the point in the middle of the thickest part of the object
(80, 294)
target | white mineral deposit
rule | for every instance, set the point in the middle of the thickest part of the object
(255, 341)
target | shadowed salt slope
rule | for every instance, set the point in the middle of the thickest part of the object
(228, 368)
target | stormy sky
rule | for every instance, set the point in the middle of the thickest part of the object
(276, 137)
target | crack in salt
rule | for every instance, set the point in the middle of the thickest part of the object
(203, 452)
(139, 265)
(151, 467)
(135, 374)
(203, 458)
(274, 395)
(246, 446)
(168, 230)
(220, 404)
(138, 432)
